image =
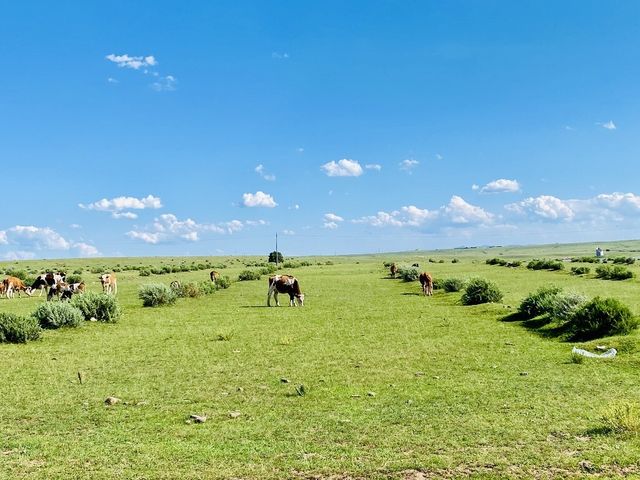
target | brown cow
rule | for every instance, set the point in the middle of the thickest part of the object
(109, 283)
(14, 284)
(427, 283)
(215, 276)
(393, 270)
(285, 284)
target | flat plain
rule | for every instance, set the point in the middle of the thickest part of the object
(369, 379)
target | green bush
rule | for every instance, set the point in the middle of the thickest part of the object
(207, 288)
(78, 271)
(268, 269)
(437, 284)
(276, 257)
(102, 307)
(73, 278)
(190, 290)
(580, 270)
(617, 272)
(144, 272)
(514, 264)
(408, 274)
(223, 282)
(96, 270)
(246, 275)
(455, 260)
(452, 284)
(21, 274)
(496, 261)
(585, 259)
(623, 260)
(622, 417)
(565, 305)
(17, 328)
(603, 317)
(539, 302)
(291, 264)
(57, 315)
(479, 290)
(544, 264)
(156, 294)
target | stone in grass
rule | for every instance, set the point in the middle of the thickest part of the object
(524, 374)
(284, 380)
(234, 414)
(371, 394)
(301, 391)
(198, 418)
(111, 400)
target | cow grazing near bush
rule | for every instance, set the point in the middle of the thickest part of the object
(67, 290)
(285, 284)
(47, 280)
(427, 283)
(393, 270)
(109, 283)
(215, 276)
(14, 284)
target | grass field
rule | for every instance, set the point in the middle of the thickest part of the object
(396, 385)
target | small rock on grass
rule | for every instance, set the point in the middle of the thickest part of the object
(234, 414)
(524, 374)
(371, 394)
(198, 418)
(284, 380)
(111, 400)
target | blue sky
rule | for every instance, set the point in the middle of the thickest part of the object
(203, 128)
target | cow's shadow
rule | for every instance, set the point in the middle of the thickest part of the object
(412, 294)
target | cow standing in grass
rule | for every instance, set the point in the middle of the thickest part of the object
(285, 284)
(393, 270)
(215, 276)
(109, 283)
(14, 284)
(47, 280)
(427, 283)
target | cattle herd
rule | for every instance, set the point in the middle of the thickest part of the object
(56, 284)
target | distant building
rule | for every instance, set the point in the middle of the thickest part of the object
(599, 252)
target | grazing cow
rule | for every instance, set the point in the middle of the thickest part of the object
(393, 269)
(215, 276)
(109, 283)
(285, 284)
(14, 284)
(427, 283)
(417, 265)
(68, 289)
(2, 288)
(45, 280)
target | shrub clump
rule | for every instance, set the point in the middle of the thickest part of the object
(102, 307)
(223, 282)
(57, 315)
(622, 417)
(156, 294)
(623, 260)
(408, 274)
(247, 275)
(602, 317)
(479, 290)
(565, 305)
(496, 261)
(539, 302)
(18, 328)
(616, 272)
(452, 284)
(580, 270)
(544, 264)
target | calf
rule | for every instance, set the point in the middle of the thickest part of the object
(285, 284)
(427, 283)
(14, 284)
(393, 270)
(109, 283)
(68, 289)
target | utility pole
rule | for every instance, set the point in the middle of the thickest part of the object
(276, 249)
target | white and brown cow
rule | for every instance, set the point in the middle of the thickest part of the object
(285, 284)
(69, 289)
(109, 283)
(47, 280)
(14, 284)
(426, 280)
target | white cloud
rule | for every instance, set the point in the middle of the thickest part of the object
(166, 83)
(475, 187)
(116, 205)
(545, 206)
(128, 215)
(502, 185)
(439, 157)
(126, 61)
(258, 199)
(608, 125)
(3, 238)
(332, 217)
(19, 255)
(373, 166)
(280, 55)
(147, 237)
(288, 232)
(621, 201)
(461, 212)
(331, 225)
(42, 238)
(415, 216)
(191, 236)
(295, 207)
(260, 170)
(342, 168)
(112, 80)
(409, 164)
(75, 226)
(86, 250)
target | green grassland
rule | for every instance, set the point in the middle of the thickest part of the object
(397, 385)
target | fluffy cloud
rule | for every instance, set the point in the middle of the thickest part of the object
(168, 228)
(461, 212)
(331, 225)
(126, 61)
(502, 185)
(342, 168)
(86, 250)
(166, 83)
(409, 164)
(608, 125)
(118, 204)
(3, 238)
(544, 206)
(258, 199)
(373, 166)
(41, 238)
(288, 232)
(332, 217)
(260, 170)
(18, 255)
(621, 201)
